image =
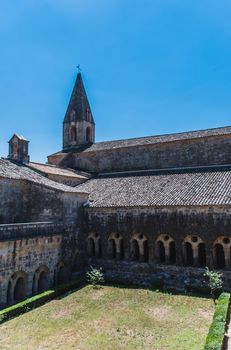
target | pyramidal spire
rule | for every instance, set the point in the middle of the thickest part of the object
(79, 107)
(78, 125)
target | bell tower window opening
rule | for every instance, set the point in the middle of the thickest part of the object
(73, 133)
(88, 134)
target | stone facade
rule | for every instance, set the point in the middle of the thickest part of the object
(34, 257)
(151, 211)
(170, 246)
(39, 229)
(181, 153)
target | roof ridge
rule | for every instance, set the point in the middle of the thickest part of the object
(167, 134)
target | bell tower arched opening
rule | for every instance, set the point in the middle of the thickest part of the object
(88, 134)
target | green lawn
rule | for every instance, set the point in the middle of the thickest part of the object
(112, 318)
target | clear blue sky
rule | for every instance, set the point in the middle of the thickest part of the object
(149, 67)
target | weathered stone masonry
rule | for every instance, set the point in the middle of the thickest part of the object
(179, 267)
(152, 210)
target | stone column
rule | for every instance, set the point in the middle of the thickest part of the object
(151, 253)
(227, 256)
(167, 252)
(195, 255)
(179, 252)
(210, 263)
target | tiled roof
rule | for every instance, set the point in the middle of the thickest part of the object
(12, 170)
(141, 141)
(54, 170)
(20, 137)
(184, 187)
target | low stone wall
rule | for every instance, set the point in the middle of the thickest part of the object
(175, 278)
(31, 229)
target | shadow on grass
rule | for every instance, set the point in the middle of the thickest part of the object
(65, 290)
(169, 291)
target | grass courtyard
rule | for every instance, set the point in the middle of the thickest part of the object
(112, 318)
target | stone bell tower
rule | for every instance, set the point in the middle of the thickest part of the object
(18, 149)
(78, 124)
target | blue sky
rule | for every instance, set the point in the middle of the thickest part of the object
(149, 67)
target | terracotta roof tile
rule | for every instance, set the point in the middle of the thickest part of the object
(184, 187)
(12, 170)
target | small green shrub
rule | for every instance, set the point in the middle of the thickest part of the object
(95, 276)
(216, 333)
(214, 282)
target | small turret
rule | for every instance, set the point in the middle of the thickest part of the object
(78, 125)
(18, 149)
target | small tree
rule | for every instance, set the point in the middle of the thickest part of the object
(214, 282)
(95, 276)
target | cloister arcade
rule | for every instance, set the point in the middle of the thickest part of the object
(22, 284)
(192, 249)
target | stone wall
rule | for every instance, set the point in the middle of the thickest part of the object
(67, 180)
(11, 198)
(24, 201)
(185, 153)
(43, 254)
(151, 243)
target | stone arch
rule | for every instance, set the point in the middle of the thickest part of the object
(17, 287)
(194, 251)
(221, 252)
(62, 273)
(115, 246)
(139, 248)
(41, 280)
(165, 249)
(94, 245)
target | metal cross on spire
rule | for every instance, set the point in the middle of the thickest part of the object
(79, 68)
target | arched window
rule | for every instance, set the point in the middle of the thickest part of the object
(172, 252)
(73, 133)
(88, 134)
(94, 245)
(43, 281)
(19, 289)
(62, 274)
(194, 251)
(201, 255)
(115, 246)
(219, 256)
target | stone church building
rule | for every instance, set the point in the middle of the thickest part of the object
(152, 210)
